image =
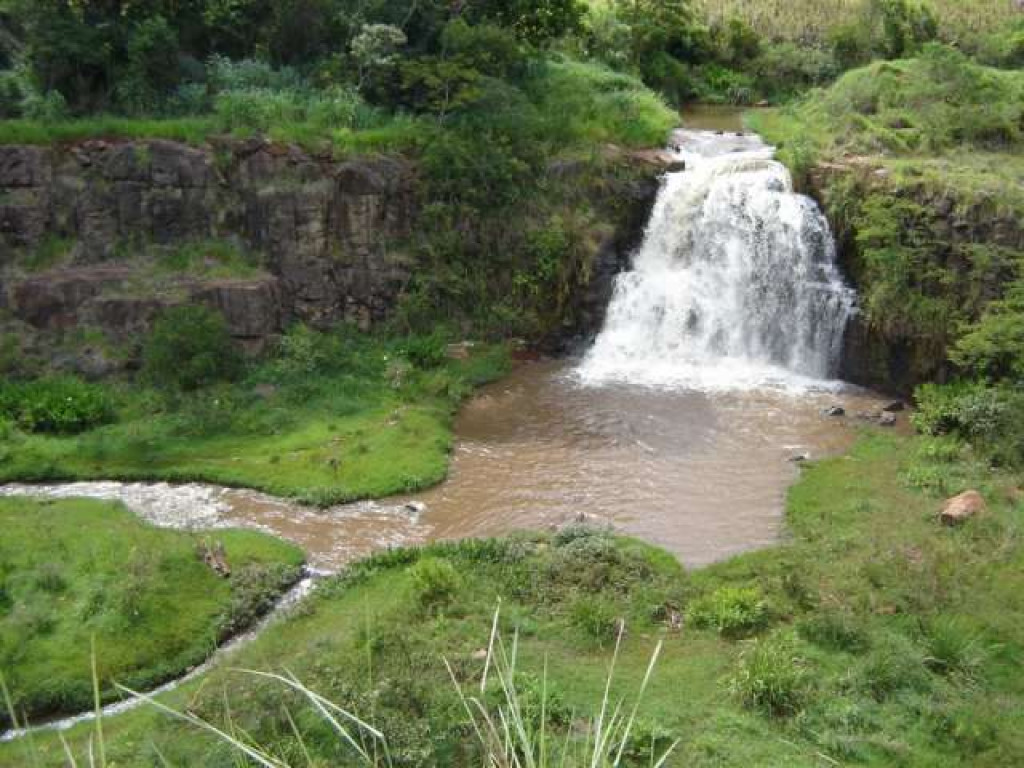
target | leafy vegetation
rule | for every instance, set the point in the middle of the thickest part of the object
(61, 405)
(815, 21)
(189, 348)
(892, 640)
(326, 418)
(76, 573)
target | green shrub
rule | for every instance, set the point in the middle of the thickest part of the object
(731, 611)
(62, 404)
(993, 347)
(771, 677)
(188, 348)
(425, 351)
(596, 617)
(435, 581)
(972, 409)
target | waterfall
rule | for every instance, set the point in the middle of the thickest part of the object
(734, 285)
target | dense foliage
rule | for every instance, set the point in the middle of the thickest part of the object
(60, 404)
(188, 348)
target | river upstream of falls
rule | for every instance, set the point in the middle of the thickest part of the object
(680, 425)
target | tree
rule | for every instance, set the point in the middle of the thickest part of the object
(188, 348)
(374, 50)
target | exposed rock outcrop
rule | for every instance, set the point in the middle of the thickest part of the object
(334, 240)
(332, 233)
(952, 226)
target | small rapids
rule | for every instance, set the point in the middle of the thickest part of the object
(735, 285)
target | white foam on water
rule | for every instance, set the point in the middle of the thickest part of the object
(734, 286)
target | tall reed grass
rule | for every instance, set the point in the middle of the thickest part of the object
(505, 735)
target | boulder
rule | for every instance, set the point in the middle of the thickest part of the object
(962, 507)
(251, 308)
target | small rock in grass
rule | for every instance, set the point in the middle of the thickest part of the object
(962, 508)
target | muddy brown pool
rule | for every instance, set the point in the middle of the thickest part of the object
(702, 474)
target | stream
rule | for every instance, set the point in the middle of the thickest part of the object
(683, 425)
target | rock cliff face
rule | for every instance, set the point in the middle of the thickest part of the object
(332, 235)
(334, 241)
(966, 246)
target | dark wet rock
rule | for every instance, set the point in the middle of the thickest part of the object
(887, 419)
(896, 406)
(799, 458)
(24, 166)
(90, 363)
(337, 238)
(835, 411)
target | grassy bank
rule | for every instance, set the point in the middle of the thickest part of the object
(874, 636)
(917, 163)
(328, 418)
(77, 572)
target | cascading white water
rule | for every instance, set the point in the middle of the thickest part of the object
(735, 284)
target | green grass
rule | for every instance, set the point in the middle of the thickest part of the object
(191, 130)
(888, 639)
(937, 103)
(375, 426)
(73, 571)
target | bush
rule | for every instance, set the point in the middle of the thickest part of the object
(425, 351)
(972, 409)
(771, 678)
(731, 611)
(596, 617)
(63, 405)
(434, 582)
(188, 348)
(993, 347)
